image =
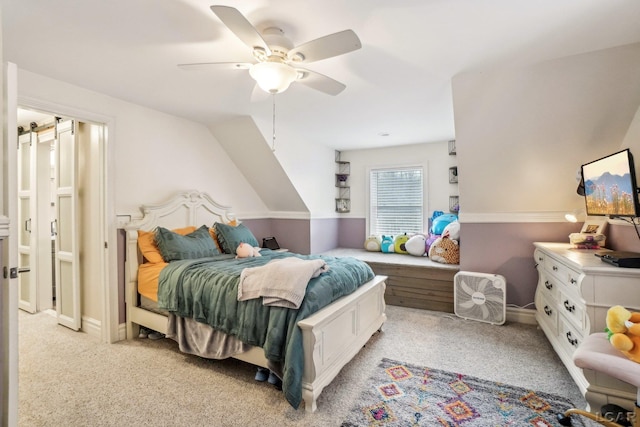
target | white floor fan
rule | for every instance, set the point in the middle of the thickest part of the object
(480, 296)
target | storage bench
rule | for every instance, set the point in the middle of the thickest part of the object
(415, 282)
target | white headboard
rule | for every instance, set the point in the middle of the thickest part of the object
(190, 208)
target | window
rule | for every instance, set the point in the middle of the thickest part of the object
(395, 201)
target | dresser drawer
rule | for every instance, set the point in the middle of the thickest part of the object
(539, 257)
(569, 338)
(566, 275)
(571, 309)
(548, 313)
(549, 286)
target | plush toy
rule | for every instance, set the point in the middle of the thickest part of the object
(245, 250)
(373, 243)
(399, 242)
(432, 238)
(440, 222)
(452, 230)
(623, 328)
(386, 244)
(416, 245)
(445, 250)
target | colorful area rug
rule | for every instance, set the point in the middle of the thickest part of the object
(400, 394)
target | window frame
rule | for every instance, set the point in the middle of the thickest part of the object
(425, 207)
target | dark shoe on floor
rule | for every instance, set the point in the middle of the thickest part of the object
(262, 374)
(273, 379)
(155, 335)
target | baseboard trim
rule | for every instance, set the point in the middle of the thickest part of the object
(92, 327)
(521, 315)
(122, 331)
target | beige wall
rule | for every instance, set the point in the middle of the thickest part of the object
(522, 133)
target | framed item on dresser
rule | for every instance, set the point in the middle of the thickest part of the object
(594, 226)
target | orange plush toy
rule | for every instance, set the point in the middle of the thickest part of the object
(623, 328)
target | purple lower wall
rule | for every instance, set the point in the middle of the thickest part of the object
(352, 233)
(292, 234)
(324, 234)
(507, 249)
(499, 248)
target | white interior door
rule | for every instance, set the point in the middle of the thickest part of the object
(26, 221)
(44, 226)
(67, 241)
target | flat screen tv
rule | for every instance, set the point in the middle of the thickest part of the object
(610, 187)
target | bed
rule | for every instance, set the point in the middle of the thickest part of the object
(325, 338)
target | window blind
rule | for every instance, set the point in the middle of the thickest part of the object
(396, 201)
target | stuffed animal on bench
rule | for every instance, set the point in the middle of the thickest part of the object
(417, 245)
(386, 245)
(445, 251)
(373, 243)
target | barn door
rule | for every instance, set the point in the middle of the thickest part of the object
(26, 212)
(67, 268)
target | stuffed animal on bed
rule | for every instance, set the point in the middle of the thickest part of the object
(445, 251)
(245, 250)
(623, 329)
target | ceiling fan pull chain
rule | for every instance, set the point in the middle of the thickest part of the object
(273, 137)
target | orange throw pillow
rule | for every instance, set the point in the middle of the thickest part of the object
(148, 247)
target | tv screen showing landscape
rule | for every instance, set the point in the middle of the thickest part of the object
(610, 185)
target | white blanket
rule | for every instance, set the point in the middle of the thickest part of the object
(280, 282)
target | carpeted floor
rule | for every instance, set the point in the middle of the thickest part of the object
(69, 378)
(401, 394)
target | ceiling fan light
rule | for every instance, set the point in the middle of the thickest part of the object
(273, 77)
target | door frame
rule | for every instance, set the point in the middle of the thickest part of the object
(110, 324)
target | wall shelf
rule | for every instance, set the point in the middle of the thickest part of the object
(343, 191)
(454, 201)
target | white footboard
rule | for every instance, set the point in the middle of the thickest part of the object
(334, 335)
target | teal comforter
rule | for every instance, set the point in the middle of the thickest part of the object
(207, 289)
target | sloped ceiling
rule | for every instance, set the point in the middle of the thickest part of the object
(398, 84)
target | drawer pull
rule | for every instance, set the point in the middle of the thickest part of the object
(573, 281)
(540, 259)
(547, 310)
(548, 285)
(569, 308)
(573, 342)
(554, 268)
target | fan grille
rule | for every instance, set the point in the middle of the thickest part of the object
(480, 296)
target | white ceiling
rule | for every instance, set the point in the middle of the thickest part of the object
(399, 83)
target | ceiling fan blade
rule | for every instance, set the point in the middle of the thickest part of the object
(325, 47)
(320, 82)
(238, 24)
(215, 66)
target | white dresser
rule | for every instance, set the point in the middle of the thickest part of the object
(575, 290)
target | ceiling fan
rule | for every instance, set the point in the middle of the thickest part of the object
(277, 59)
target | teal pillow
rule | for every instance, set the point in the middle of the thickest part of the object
(230, 237)
(174, 246)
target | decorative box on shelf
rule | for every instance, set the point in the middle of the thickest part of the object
(343, 205)
(454, 204)
(452, 147)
